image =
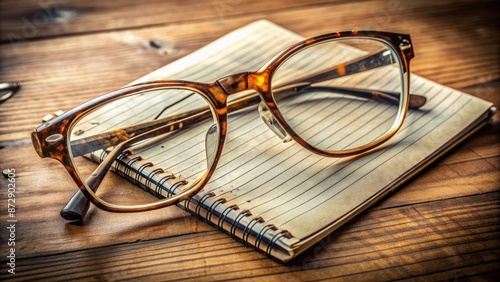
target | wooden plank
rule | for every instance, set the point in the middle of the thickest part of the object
(38, 19)
(31, 19)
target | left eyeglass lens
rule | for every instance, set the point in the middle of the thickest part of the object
(158, 141)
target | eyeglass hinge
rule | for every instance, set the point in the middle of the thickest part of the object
(405, 45)
(52, 116)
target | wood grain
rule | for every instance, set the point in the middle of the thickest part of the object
(443, 225)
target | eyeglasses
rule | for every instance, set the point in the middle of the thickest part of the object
(337, 95)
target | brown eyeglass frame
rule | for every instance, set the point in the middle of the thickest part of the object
(51, 139)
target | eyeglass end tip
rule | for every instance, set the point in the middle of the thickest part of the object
(70, 215)
(417, 101)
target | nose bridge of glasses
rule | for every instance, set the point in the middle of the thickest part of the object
(234, 83)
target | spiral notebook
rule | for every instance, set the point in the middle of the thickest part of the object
(277, 197)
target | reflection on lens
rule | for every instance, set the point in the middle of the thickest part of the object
(154, 142)
(341, 94)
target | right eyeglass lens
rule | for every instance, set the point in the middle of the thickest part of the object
(340, 94)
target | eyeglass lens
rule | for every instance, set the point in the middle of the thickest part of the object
(332, 106)
(172, 134)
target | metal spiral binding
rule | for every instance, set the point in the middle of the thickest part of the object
(270, 246)
(120, 159)
(103, 154)
(224, 214)
(247, 231)
(186, 204)
(139, 174)
(260, 236)
(150, 177)
(200, 202)
(208, 216)
(159, 185)
(95, 158)
(246, 234)
(128, 166)
(234, 225)
(176, 184)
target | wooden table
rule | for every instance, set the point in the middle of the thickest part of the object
(443, 225)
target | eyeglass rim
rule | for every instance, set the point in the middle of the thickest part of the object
(392, 40)
(192, 188)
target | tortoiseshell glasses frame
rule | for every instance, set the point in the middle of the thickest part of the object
(52, 138)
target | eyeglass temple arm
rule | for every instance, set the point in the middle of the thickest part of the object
(78, 205)
(368, 62)
(416, 101)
